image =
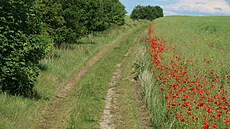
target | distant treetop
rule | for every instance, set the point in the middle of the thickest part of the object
(146, 12)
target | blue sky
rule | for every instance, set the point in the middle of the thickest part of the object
(185, 7)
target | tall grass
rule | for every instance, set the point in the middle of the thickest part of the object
(187, 83)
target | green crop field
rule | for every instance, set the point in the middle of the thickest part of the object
(188, 86)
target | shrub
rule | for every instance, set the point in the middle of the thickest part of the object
(22, 45)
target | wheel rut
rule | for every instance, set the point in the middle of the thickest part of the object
(50, 113)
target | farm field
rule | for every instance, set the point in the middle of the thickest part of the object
(185, 72)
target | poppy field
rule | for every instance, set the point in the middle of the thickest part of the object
(190, 72)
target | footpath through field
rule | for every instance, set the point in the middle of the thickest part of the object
(53, 116)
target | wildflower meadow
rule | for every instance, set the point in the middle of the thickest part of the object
(192, 86)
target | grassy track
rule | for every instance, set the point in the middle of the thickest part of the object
(189, 86)
(88, 100)
(19, 112)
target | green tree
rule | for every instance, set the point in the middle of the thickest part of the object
(114, 11)
(51, 14)
(146, 12)
(22, 45)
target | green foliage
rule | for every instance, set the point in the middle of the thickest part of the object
(68, 20)
(21, 46)
(27, 29)
(146, 12)
(51, 14)
(115, 11)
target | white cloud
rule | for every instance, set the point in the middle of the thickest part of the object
(169, 13)
(200, 6)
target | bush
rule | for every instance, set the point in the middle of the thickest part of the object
(22, 45)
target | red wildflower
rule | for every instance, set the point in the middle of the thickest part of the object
(214, 80)
(200, 91)
(210, 100)
(205, 116)
(186, 104)
(228, 103)
(209, 110)
(183, 73)
(206, 125)
(201, 104)
(188, 113)
(201, 98)
(224, 99)
(181, 120)
(228, 111)
(227, 122)
(173, 104)
(214, 125)
(158, 78)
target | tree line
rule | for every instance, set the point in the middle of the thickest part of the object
(30, 28)
(146, 12)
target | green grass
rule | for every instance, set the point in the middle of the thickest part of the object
(88, 100)
(205, 41)
(128, 114)
(20, 112)
(198, 33)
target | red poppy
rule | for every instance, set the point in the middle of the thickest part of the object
(214, 80)
(209, 110)
(223, 98)
(188, 113)
(201, 98)
(201, 104)
(206, 125)
(228, 103)
(205, 116)
(214, 125)
(181, 120)
(183, 73)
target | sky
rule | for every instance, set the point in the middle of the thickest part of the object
(184, 7)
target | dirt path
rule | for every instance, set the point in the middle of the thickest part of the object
(50, 113)
(112, 98)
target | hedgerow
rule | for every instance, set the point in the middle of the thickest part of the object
(22, 45)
